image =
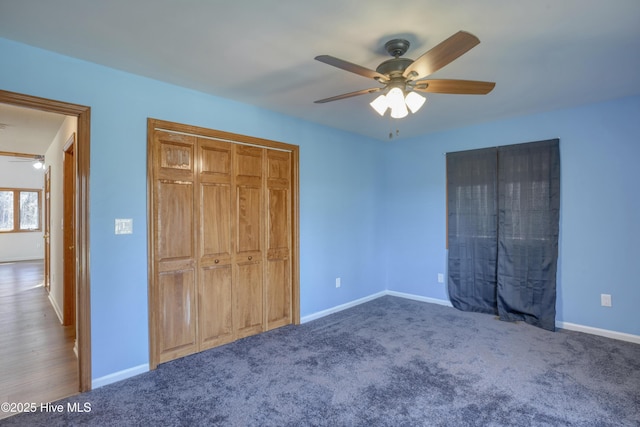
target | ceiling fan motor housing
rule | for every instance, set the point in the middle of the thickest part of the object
(394, 67)
(397, 47)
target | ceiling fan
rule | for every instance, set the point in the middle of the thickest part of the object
(402, 78)
(36, 159)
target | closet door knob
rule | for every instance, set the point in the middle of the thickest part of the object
(217, 261)
(250, 258)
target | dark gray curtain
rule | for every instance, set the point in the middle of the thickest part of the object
(529, 210)
(507, 266)
(472, 185)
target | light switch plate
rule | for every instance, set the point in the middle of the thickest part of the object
(124, 226)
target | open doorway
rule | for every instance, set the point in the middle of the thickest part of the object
(37, 360)
(78, 160)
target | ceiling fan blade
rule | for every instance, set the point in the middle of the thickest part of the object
(441, 55)
(349, 95)
(24, 157)
(353, 68)
(457, 87)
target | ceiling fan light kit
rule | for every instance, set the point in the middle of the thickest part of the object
(36, 159)
(403, 77)
(398, 102)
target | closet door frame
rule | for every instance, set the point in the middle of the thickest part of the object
(154, 125)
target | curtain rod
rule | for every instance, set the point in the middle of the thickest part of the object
(503, 145)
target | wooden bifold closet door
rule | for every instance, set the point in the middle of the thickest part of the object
(223, 238)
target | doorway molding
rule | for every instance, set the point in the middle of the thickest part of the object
(69, 292)
(83, 114)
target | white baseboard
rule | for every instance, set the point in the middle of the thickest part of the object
(359, 301)
(419, 298)
(56, 309)
(562, 325)
(120, 375)
(601, 332)
(341, 307)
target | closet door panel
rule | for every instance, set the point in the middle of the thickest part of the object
(177, 314)
(247, 310)
(277, 281)
(278, 271)
(278, 236)
(216, 211)
(248, 162)
(248, 277)
(174, 220)
(215, 220)
(278, 302)
(215, 159)
(216, 243)
(279, 166)
(174, 156)
(249, 201)
(173, 290)
(215, 309)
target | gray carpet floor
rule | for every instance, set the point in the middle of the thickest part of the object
(388, 362)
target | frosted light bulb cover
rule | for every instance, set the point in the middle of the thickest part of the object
(400, 111)
(380, 104)
(414, 101)
(395, 98)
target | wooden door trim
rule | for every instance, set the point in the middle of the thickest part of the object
(295, 230)
(152, 126)
(68, 251)
(154, 353)
(83, 114)
(47, 229)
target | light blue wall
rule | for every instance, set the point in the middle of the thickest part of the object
(371, 213)
(600, 208)
(339, 190)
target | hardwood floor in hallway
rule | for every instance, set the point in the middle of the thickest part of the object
(37, 361)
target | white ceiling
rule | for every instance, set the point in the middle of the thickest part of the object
(27, 131)
(542, 54)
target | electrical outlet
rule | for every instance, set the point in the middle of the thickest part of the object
(440, 278)
(605, 300)
(338, 282)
